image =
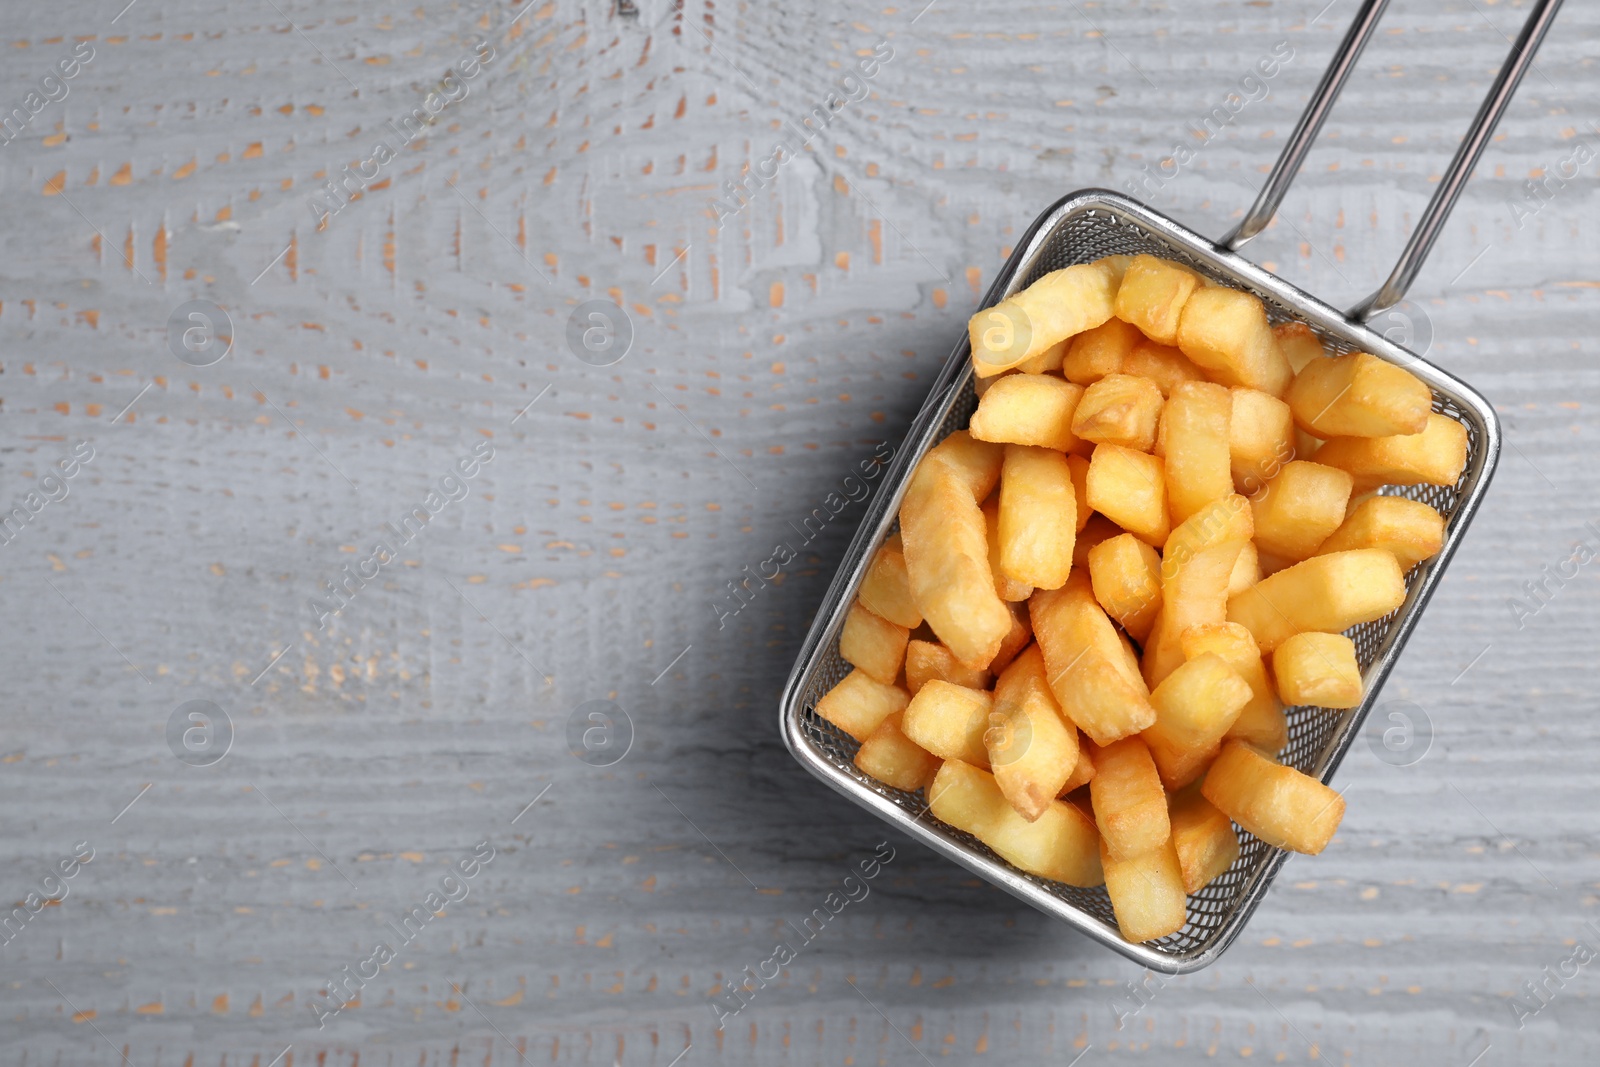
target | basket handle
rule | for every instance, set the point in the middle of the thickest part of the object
(1309, 126)
(1455, 176)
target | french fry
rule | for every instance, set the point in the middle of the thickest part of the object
(1359, 498)
(1130, 807)
(1222, 521)
(1146, 892)
(1409, 530)
(949, 721)
(1061, 845)
(1008, 589)
(976, 463)
(1319, 670)
(1162, 364)
(1051, 359)
(894, 759)
(1082, 771)
(1125, 574)
(1194, 446)
(873, 644)
(1261, 721)
(1436, 456)
(1057, 306)
(1152, 296)
(1117, 264)
(1195, 706)
(1028, 409)
(1299, 343)
(1299, 508)
(1038, 516)
(1080, 489)
(1195, 595)
(1130, 489)
(1119, 409)
(1359, 395)
(1096, 353)
(1260, 438)
(1097, 529)
(1278, 804)
(1046, 362)
(885, 590)
(860, 703)
(1246, 569)
(1226, 332)
(1032, 749)
(1092, 672)
(1015, 640)
(947, 562)
(1203, 837)
(1328, 593)
(926, 660)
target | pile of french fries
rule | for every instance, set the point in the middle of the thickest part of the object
(1151, 538)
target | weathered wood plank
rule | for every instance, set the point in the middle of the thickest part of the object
(767, 358)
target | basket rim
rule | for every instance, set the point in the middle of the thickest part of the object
(881, 513)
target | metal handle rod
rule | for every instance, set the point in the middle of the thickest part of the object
(1460, 169)
(1305, 132)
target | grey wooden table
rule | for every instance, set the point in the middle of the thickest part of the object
(398, 764)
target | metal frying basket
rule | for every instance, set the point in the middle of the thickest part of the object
(1081, 228)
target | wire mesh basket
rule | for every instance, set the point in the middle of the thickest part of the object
(1080, 229)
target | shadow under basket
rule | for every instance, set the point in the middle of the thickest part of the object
(1079, 229)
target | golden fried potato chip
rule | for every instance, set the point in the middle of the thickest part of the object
(1278, 804)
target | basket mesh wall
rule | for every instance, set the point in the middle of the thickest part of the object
(1312, 731)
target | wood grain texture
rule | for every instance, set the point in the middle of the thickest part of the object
(768, 358)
